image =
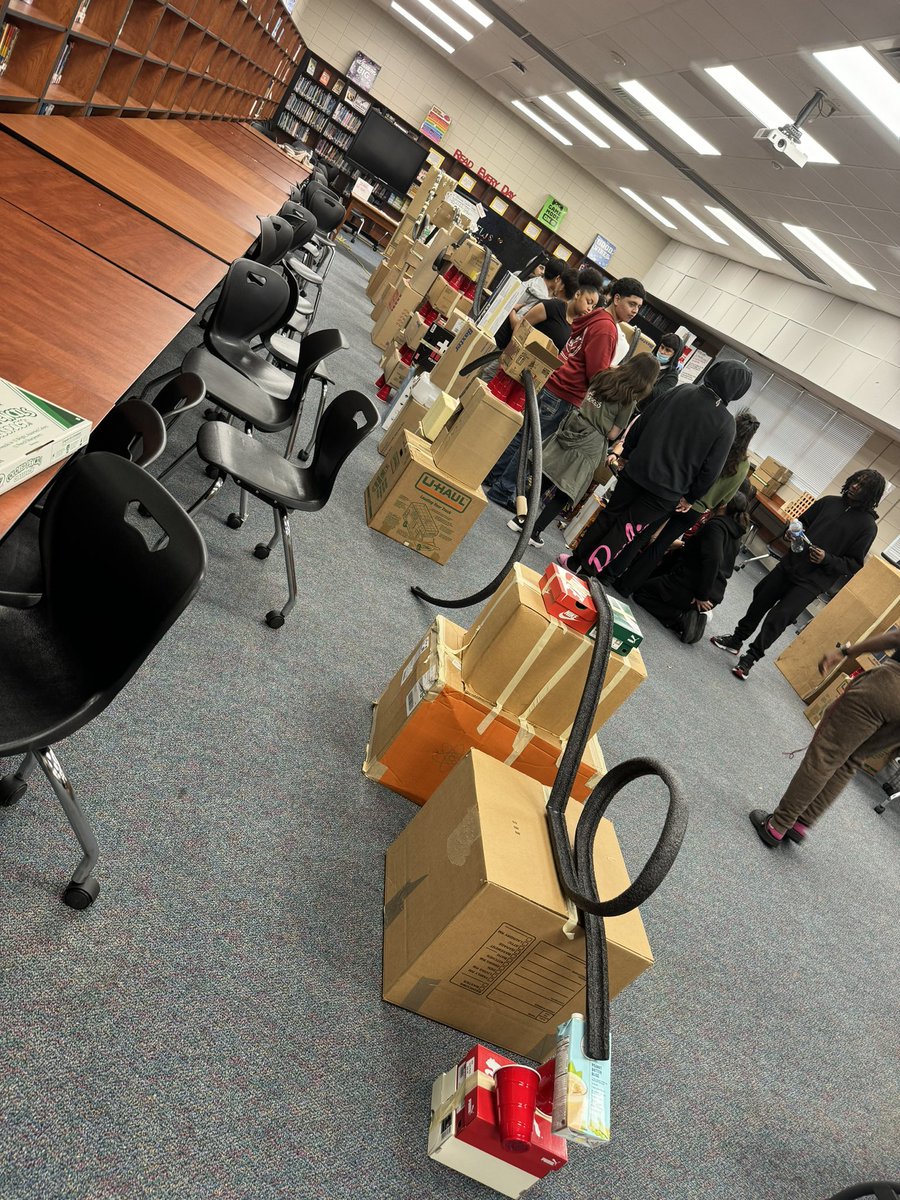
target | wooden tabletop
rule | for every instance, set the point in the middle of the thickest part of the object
(368, 209)
(256, 150)
(73, 327)
(100, 222)
(123, 171)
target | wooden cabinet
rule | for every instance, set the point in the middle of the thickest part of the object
(223, 59)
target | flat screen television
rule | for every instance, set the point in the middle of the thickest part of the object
(387, 152)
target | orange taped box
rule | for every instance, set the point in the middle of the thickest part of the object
(426, 721)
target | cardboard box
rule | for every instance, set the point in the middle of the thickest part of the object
(425, 722)
(423, 276)
(443, 297)
(376, 280)
(644, 345)
(442, 215)
(474, 914)
(434, 422)
(393, 367)
(523, 659)
(468, 344)
(531, 351)
(626, 633)
(409, 500)
(410, 419)
(434, 181)
(830, 692)
(469, 257)
(475, 436)
(867, 604)
(34, 434)
(398, 309)
(414, 330)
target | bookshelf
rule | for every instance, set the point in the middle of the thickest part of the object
(218, 59)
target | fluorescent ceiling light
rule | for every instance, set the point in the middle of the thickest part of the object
(761, 106)
(828, 255)
(862, 74)
(671, 120)
(601, 115)
(475, 13)
(429, 33)
(539, 120)
(686, 212)
(649, 207)
(742, 231)
(574, 122)
(447, 19)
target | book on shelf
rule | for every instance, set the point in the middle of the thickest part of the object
(45, 108)
(8, 36)
(82, 11)
(61, 64)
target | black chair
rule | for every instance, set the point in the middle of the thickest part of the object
(114, 586)
(253, 302)
(285, 488)
(179, 396)
(132, 430)
(870, 1191)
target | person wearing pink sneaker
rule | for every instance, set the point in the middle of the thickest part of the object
(864, 720)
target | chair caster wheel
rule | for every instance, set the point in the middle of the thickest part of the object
(81, 895)
(888, 789)
(274, 619)
(261, 550)
(233, 521)
(12, 788)
(879, 808)
(303, 456)
(211, 472)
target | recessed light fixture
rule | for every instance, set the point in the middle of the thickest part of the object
(657, 216)
(722, 214)
(827, 255)
(472, 10)
(574, 122)
(610, 123)
(450, 22)
(862, 74)
(761, 106)
(702, 226)
(421, 26)
(539, 120)
(670, 119)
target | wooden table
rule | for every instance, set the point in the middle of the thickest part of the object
(100, 222)
(73, 328)
(386, 224)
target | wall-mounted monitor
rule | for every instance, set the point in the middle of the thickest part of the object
(387, 152)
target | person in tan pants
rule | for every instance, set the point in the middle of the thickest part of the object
(864, 720)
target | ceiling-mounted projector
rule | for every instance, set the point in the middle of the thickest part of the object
(786, 139)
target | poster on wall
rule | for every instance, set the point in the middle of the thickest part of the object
(694, 367)
(601, 251)
(363, 71)
(531, 230)
(563, 253)
(499, 205)
(467, 182)
(553, 213)
(435, 124)
(434, 158)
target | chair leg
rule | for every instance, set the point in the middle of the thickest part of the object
(83, 889)
(264, 549)
(275, 618)
(13, 787)
(175, 461)
(306, 452)
(216, 486)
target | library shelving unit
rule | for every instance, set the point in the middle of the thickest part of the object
(223, 59)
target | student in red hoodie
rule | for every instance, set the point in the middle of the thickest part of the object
(590, 350)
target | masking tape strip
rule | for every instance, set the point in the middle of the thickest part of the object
(609, 685)
(525, 666)
(452, 1103)
(419, 993)
(520, 741)
(583, 647)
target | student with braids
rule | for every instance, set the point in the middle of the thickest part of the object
(840, 531)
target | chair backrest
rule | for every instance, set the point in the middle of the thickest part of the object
(132, 430)
(302, 220)
(254, 301)
(327, 209)
(347, 421)
(313, 349)
(111, 593)
(272, 244)
(180, 394)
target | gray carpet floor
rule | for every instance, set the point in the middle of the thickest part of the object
(213, 1026)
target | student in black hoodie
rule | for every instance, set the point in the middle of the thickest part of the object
(840, 531)
(692, 581)
(674, 454)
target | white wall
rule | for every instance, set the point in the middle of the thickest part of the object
(413, 78)
(850, 350)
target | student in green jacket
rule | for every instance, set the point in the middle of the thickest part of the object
(649, 554)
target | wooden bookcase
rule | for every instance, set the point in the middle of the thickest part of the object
(221, 59)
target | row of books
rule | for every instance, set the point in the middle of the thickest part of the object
(8, 36)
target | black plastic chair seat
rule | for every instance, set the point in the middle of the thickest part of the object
(257, 468)
(264, 374)
(237, 394)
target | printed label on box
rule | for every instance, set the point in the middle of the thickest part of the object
(439, 489)
(488, 963)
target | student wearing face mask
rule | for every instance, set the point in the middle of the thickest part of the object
(668, 353)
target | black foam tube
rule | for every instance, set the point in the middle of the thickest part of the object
(575, 866)
(531, 441)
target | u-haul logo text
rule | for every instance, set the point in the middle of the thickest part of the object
(438, 489)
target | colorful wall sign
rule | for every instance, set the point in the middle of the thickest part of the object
(601, 251)
(553, 213)
(435, 125)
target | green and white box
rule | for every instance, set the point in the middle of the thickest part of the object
(626, 633)
(34, 434)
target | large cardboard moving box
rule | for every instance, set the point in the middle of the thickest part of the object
(534, 666)
(474, 914)
(476, 435)
(410, 500)
(425, 722)
(867, 604)
(468, 344)
(529, 350)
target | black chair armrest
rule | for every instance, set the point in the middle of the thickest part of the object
(19, 599)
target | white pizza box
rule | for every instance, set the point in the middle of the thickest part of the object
(34, 434)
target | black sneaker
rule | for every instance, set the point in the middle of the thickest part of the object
(759, 818)
(516, 526)
(742, 670)
(728, 643)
